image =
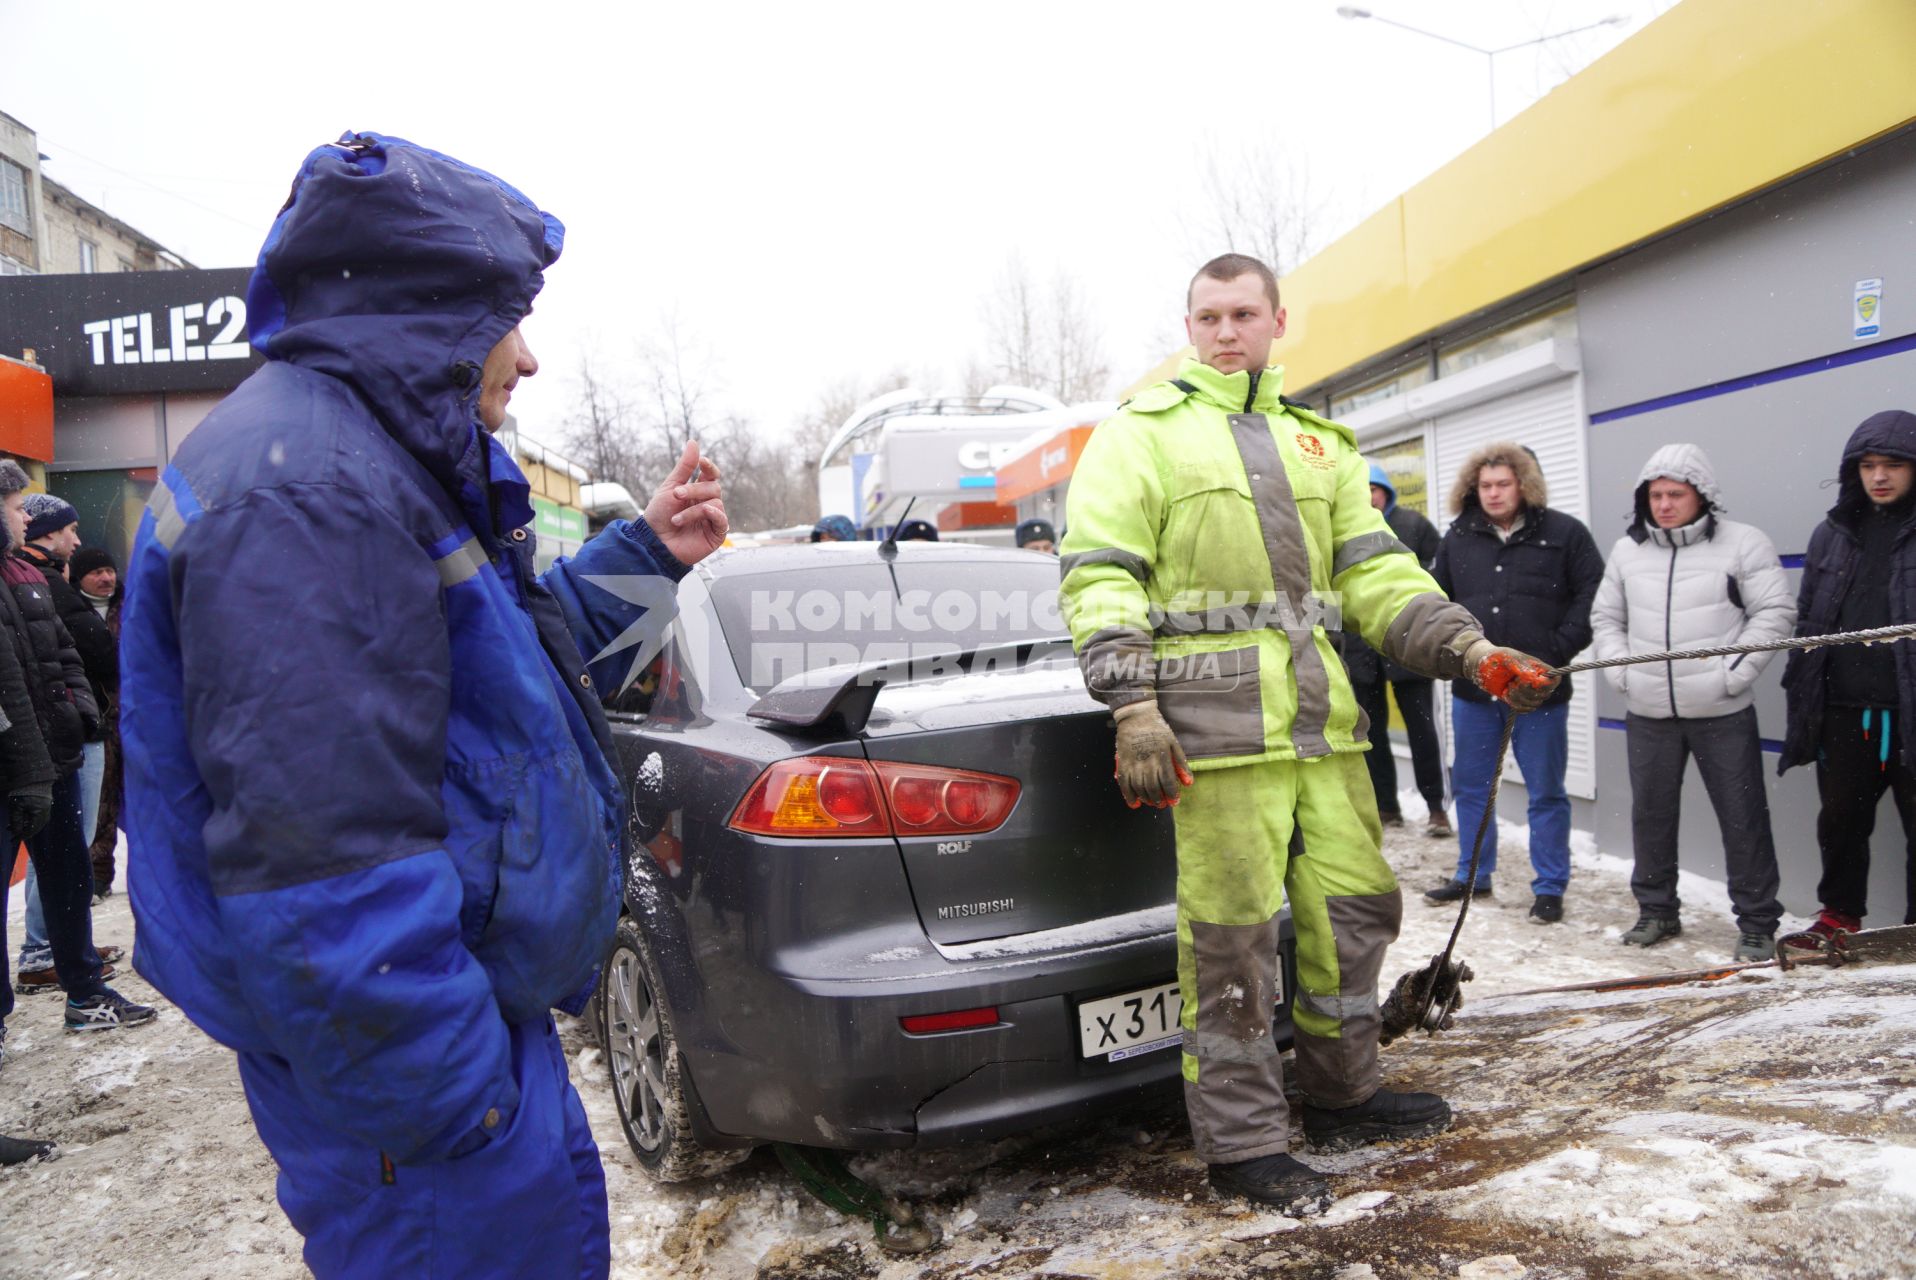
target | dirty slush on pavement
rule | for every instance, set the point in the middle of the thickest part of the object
(1761, 1126)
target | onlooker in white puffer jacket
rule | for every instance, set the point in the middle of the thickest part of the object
(1685, 578)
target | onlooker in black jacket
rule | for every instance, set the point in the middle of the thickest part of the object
(63, 708)
(26, 778)
(1369, 672)
(53, 535)
(1529, 575)
(1849, 705)
(97, 578)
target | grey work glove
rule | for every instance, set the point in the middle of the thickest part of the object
(1151, 767)
(1407, 998)
(28, 809)
(1520, 680)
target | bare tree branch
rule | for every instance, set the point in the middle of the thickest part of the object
(1043, 339)
(1257, 200)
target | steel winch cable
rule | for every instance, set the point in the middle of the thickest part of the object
(1875, 635)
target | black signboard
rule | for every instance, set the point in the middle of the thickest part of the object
(131, 332)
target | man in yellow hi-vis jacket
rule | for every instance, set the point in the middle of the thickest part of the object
(1219, 537)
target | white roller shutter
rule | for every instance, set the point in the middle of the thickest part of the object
(1548, 418)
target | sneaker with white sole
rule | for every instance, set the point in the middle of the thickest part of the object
(106, 1011)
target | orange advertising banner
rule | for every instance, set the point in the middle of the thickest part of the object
(26, 411)
(1040, 468)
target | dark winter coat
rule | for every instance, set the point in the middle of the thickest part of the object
(1532, 592)
(23, 749)
(99, 651)
(1830, 575)
(1366, 665)
(56, 680)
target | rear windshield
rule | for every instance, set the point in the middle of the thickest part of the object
(780, 624)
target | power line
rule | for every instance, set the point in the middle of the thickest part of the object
(251, 224)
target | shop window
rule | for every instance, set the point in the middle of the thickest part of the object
(1396, 383)
(1560, 324)
(1407, 464)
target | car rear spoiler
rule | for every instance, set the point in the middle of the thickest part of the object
(840, 698)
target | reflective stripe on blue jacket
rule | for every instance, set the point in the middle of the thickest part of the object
(370, 814)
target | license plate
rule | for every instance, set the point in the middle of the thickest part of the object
(1125, 1026)
(1137, 1022)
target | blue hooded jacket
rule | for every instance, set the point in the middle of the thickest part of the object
(1381, 478)
(368, 802)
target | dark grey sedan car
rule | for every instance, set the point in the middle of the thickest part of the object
(882, 891)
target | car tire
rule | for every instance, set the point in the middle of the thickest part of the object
(643, 1062)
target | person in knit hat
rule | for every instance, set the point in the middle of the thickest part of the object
(53, 537)
(95, 576)
(43, 793)
(94, 573)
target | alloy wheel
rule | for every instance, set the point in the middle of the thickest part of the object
(636, 1044)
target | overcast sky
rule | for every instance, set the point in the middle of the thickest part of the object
(816, 191)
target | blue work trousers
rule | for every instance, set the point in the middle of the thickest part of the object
(1541, 743)
(529, 1203)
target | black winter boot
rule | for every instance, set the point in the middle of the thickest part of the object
(1383, 1115)
(1281, 1181)
(20, 1150)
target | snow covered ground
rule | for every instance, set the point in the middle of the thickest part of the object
(1760, 1126)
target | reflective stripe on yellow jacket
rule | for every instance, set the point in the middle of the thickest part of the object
(1217, 538)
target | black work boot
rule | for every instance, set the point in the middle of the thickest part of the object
(1453, 890)
(1281, 1181)
(20, 1150)
(1381, 1116)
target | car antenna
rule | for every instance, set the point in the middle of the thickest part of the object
(888, 549)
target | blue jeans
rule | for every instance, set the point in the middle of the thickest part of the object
(34, 951)
(92, 777)
(1541, 743)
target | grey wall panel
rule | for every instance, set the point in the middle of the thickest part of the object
(92, 433)
(1775, 449)
(1763, 285)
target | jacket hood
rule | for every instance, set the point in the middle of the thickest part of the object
(1891, 432)
(1685, 462)
(396, 270)
(1504, 453)
(1379, 478)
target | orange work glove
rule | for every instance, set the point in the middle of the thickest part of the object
(1522, 681)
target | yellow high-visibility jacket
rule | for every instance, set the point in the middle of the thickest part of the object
(1217, 539)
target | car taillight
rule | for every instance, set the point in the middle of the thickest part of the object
(927, 801)
(835, 796)
(813, 796)
(924, 1023)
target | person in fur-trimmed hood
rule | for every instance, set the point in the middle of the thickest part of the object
(1528, 572)
(1683, 577)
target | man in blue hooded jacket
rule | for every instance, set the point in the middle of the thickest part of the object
(374, 832)
(1369, 670)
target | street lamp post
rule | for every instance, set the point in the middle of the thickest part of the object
(1490, 55)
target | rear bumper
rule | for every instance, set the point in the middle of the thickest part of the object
(827, 1063)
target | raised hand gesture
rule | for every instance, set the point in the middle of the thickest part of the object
(687, 512)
